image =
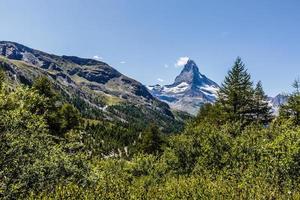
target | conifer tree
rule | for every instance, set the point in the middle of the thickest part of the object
(261, 108)
(292, 108)
(236, 93)
(60, 118)
(151, 140)
(44, 87)
(296, 85)
(70, 117)
(2, 77)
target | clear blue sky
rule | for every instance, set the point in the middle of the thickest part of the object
(141, 37)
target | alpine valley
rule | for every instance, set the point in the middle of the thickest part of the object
(76, 128)
(95, 88)
(101, 92)
(149, 100)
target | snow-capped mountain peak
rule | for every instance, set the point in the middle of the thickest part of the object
(189, 74)
(276, 102)
(190, 90)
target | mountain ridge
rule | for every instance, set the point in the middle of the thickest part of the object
(92, 79)
(95, 82)
(89, 69)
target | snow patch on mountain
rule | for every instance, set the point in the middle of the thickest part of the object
(211, 90)
(177, 89)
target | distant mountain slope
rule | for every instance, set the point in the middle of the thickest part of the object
(96, 83)
(276, 102)
(190, 90)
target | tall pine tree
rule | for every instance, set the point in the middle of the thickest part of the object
(296, 85)
(261, 108)
(236, 93)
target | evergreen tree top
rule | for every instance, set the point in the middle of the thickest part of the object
(237, 79)
(296, 85)
(259, 91)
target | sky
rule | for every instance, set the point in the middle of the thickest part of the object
(144, 39)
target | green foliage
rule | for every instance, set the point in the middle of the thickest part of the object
(141, 117)
(182, 153)
(291, 110)
(70, 117)
(212, 114)
(60, 117)
(44, 87)
(261, 108)
(2, 77)
(151, 140)
(86, 110)
(239, 101)
(46, 152)
(104, 139)
(235, 94)
(30, 159)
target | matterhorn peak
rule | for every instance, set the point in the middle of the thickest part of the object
(191, 66)
(190, 90)
(189, 74)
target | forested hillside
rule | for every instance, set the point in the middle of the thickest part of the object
(51, 147)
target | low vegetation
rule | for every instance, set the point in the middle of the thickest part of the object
(234, 149)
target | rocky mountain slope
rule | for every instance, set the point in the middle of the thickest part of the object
(95, 83)
(190, 90)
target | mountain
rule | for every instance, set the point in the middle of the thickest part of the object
(96, 85)
(276, 102)
(190, 90)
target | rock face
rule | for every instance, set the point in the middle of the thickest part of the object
(95, 72)
(190, 90)
(94, 81)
